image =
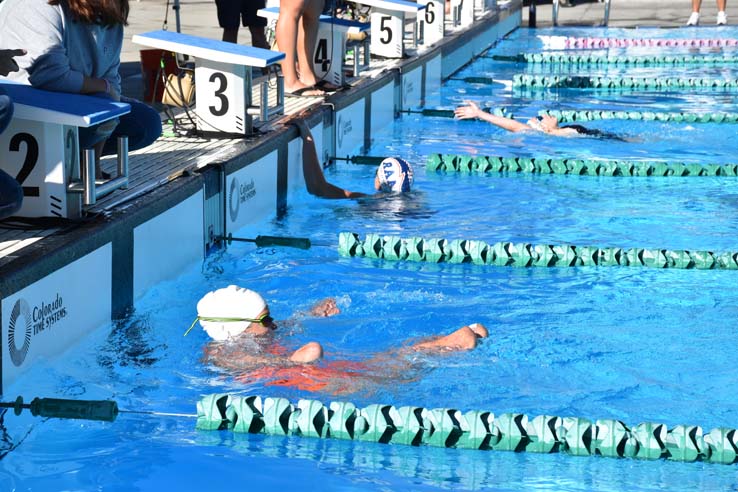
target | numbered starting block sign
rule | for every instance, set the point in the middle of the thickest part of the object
(222, 77)
(463, 12)
(40, 146)
(388, 25)
(330, 47)
(433, 21)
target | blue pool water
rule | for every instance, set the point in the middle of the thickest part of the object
(634, 344)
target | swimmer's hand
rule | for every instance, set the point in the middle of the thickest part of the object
(470, 111)
(325, 308)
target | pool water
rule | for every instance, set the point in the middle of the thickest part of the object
(634, 344)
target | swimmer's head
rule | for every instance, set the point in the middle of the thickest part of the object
(394, 175)
(228, 312)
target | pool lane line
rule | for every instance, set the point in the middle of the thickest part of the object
(525, 255)
(568, 116)
(578, 167)
(624, 60)
(576, 42)
(527, 81)
(451, 428)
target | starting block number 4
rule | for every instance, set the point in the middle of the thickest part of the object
(40, 156)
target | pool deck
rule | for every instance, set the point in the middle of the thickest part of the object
(185, 193)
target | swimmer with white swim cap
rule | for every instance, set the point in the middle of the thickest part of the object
(394, 175)
(240, 324)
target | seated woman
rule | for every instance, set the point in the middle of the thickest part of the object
(74, 46)
(544, 124)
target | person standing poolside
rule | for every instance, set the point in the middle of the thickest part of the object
(231, 13)
(74, 46)
(694, 19)
(11, 192)
(394, 175)
(242, 330)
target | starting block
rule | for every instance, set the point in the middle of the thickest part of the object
(330, 48)
(40, 148)
(223, 82)
(388, 25)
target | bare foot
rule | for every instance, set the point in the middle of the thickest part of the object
(310, 352)
(325, 308)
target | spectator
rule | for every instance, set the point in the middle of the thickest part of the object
(694, 19)
(74, 46)
(11, 193)
(232, 12)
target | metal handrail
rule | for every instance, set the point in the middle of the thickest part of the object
(555, 12)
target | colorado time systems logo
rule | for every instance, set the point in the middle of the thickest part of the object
(26, 322)
(19, 328)
(238, 194)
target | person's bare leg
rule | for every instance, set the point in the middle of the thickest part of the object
(310, 352)
(306, 40)
(465, 338)
(290, 12)
(721, 5)
(230, 35)
(696, 4)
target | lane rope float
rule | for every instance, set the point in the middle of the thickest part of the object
(568, 116)
(564, 42)
(524, 255)
(451, 428)
(578, 167)
(591, 59)
(587, 82)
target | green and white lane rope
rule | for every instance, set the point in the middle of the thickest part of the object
(451, 428)
(586, 82)
(525, 255)
(568, 116)
(578, 167)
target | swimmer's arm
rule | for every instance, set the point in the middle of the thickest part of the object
(563, 132)
(471, 111)
(314, 178)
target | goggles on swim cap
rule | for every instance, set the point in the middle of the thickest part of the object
(394, 175)
(264, 320)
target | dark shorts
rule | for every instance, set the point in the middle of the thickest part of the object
(230, 11)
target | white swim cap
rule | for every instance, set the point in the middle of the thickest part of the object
(395, 174)
(230, 302)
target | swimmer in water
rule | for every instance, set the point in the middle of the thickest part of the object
(394, 175)
(242, 330)
(545, 124)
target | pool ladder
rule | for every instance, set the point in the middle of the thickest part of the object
(555, 11)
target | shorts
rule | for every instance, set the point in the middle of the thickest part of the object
(229, 12)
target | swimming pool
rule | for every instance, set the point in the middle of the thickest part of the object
(624, 343)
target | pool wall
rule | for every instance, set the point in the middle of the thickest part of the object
(68, 285)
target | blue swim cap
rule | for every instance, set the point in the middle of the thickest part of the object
(395, 174)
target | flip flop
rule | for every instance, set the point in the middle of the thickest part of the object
(301, 92)
(326, 86)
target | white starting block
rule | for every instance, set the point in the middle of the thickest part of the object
(462, 12)
(388, 25)
(432, 23)
(40, 148)
(223, 81)
(330, 49)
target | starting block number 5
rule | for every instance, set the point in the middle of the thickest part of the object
(387, 29)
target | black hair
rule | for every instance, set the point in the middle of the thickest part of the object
(592, 132)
